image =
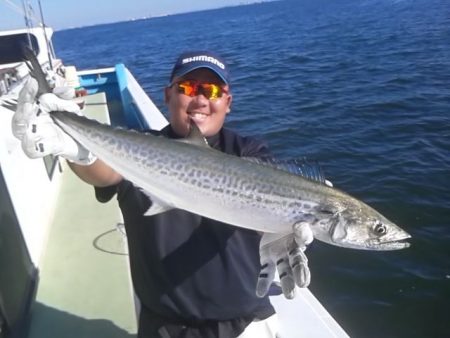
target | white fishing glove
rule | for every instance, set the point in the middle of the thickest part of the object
(40, 136)
(285, 253)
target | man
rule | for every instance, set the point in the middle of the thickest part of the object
(194, 277)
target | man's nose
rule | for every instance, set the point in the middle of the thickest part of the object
(201, 97)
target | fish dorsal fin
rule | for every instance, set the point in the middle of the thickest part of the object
(301, 167)
(195, 137)
(30, 59)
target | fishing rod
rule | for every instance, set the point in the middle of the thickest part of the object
(49, 46)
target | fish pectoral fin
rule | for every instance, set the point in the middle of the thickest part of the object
(157, 207)
(328, 210)
(338, 230)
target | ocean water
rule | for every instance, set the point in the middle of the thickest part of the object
(363, 86)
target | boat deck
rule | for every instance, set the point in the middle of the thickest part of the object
(84, 288)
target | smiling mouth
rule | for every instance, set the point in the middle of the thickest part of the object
(198, 117)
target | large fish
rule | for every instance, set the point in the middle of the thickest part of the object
(190, 175)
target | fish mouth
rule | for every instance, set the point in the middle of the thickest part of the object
(388, 245)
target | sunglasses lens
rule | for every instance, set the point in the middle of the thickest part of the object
(210, 90)
(187, 88)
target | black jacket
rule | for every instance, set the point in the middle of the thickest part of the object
(188, 268)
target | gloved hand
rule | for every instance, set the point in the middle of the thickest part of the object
(285, 253)
(40, 136)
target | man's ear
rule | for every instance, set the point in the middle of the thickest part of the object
(229, 100)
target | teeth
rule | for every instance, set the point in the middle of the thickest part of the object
(198, 117)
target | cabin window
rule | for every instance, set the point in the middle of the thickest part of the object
(11, 47)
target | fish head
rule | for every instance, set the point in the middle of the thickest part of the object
(357, 225)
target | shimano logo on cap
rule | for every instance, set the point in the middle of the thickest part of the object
(204, 58)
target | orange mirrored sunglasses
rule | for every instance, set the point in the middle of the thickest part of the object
(212, 91)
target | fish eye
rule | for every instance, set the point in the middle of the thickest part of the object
(380, 229)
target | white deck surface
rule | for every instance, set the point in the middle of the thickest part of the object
(305, 317)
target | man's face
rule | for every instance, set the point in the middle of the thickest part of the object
(208, 114)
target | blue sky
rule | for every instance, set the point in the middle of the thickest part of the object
(61, 14)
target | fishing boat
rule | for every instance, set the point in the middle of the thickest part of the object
(63, 256)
